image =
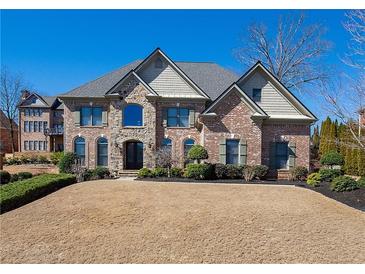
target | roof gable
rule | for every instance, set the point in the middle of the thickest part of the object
(33, 100)
(277, 100)
(258, 112)
(166, 78)
(126, 81)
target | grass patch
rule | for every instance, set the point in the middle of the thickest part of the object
(19, 193)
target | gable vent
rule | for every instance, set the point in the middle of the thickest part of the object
(158, 63)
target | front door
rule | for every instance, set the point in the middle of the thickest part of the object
(134, 155)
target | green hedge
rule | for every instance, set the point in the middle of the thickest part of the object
(199, 171)
(19, 193)
(343, 183)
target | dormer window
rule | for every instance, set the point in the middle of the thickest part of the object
(158, 63)
(256, 94)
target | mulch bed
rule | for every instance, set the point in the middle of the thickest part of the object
(355, 198)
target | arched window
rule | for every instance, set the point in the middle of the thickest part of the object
(167, 143)
(102, 150)
(79, 146)
(188, 143)
(133, 115)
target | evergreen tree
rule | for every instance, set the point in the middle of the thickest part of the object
(361, 163)
(325, 128)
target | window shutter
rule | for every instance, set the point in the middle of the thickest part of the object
(272, 155)
(104, 117)
(222, 151)
(191, 117)
(243, 152)
(164, 117)
(77, 118)
(292, 154)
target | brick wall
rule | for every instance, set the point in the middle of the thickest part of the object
(295, 133)
(5, 139)
(89, 133)
(33, 136)
(178, 134)
(233, 121)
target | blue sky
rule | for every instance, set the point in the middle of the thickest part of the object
(57, 50)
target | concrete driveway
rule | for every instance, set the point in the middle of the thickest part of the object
(135, 222)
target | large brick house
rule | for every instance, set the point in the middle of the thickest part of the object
(40, 123)
(121, 119)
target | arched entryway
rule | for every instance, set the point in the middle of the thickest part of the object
(133, 155)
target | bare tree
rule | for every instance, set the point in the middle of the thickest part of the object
(10, 93)
(345, 101)
(355, 25)
(293, 52)
(164, 159)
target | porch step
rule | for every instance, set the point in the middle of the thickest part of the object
(128, 173)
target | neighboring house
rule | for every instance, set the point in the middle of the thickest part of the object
(5, 136)
(122, 118)
(40, 123)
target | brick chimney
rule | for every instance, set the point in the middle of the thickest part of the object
(25, 93)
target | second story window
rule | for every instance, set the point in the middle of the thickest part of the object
(256, 94)
(133, 115)
(91, 116)
(178, 117)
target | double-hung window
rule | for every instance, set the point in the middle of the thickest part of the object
(232, 152)
(30, 145)
(26, 126)
(26, 145)
(30, 126)
(91, 116)
(178, 117)
(36, 126)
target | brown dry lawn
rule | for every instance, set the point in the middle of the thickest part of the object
(135, 222)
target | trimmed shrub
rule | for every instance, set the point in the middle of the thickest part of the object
(361, 182)
(343, 183)
(248, 173)
(24, 175)
(220, 171)
(176, 172)
(87, 174)
(199, 171)
(42, 160)
(144, 173)
(33, 159)
(4, 177)
(198, 153)
(261, 171)
(327, 175)
(332, 158)
(24, 159)
(233, 171)
(314, 179)
(20, 193)
(101, 172)
(159, 172)
(14, 178)
(299, 173)
(56, 157)
(66, 162)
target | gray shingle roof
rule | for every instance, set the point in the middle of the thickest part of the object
(210, 77)
(49, 99)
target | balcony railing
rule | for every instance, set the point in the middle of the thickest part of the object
(54, 131)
